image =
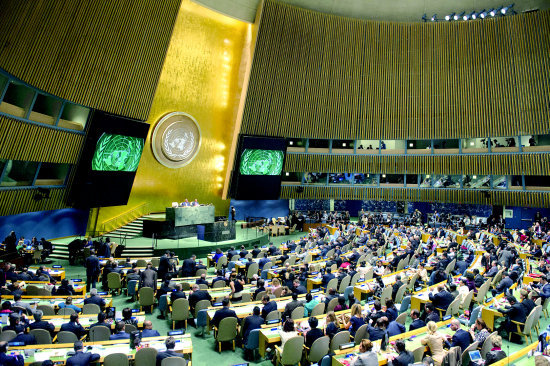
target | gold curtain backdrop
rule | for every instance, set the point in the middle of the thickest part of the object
(203, 76)
(100, 53)
(322, 76)
(496, 164)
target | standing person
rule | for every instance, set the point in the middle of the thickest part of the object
(188, 268)
(148, 278)
(92, 270)
(233, 213)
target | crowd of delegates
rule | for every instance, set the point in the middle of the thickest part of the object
(24, 247)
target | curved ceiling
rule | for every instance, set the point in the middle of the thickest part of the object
(394, 10)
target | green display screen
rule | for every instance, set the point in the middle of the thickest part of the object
(261, 162)
(117, 153)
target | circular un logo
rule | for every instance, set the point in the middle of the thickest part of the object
(176, 139)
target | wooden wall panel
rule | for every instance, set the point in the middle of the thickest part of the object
(496, 164)
(27, 141)
(321, 76)
(14, 201)
(103, 54)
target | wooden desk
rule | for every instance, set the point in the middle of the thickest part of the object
(86, 320)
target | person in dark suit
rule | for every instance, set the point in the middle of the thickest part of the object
(514, 312)
(327, 277)
(202, 280)
(289, 307)
(442, 299)
(231, 252)
(119, 332)
(263, 261)
(178, 294)
(255, 251)
(188, 268)
(219, 277)
(396, 286)
(80, 357)
(92, 270)
(196, 296)
(299, 288)
(378, 331)
(252, 322)
(164, 265)
(405, 357)
(269, 306)
(148, 278)
(73, 326)
(261, 288)
(416, 321)
(314, 333)
(95, 299)
(170, 344)
(223, 313)
(461, 338)
(243, 252)
(148, 330)
(41, 324)
(6, 360)
(101, 321)
(503, 285)
(527, 303)
(431, 314)
(65, 288)
(26, 339)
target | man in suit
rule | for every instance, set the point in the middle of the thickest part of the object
(514, 312)
(231, 252)
(170, 344)
(431, 314)
(148, 278)
(101, 321)
(164, 265)
(41, 324)
(223, 313)
(6, 360)
(26, 339)
(492, 271)
(327, 277)
(178, 294)
(92, 270)
(73, 326)
(255, 251)
(188, 268)
(148, 330)
(196, 296)
(202, 280)
(80, 357)
(503, 285)
(21, 304)
(269, 306)
(395, 328)
(252, 322)
(416, 321)
(299, 288)
(260, 288)
(405, 357)
(544, 288)
(119, 332)
(263, 261)
(243, 252)
(289, 308)
(442, 299)
(396, 286)
(506, 257)
(95, 299)
(219, 277)
(461, 338)
(314, 333)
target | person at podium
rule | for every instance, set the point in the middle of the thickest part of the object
(195, 203)
(185, 203)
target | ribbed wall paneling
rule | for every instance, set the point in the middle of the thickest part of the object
(103, 54)
(14, 201)
(321, 76)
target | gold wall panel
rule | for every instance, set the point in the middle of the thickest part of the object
(496, 164)
(26, 141)
(523, 199)
(203, 76)
(100, 53)
(323, 76)
(15, 201)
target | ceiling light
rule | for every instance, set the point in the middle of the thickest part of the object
(448, 17)
(383, 175)
(474, 176)
(287, 174)
(291, 142)
(411, 144)
(343, 144)
(492, 12)
(474, 15)
(482, 15)
(455, 17)
(465, 17)
(503, 10)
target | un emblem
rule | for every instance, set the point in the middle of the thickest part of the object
(176, 139)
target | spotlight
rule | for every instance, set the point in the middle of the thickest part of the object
(343, 144)
(291, 142)
(434, 17)
(458, 16)
(465, 17)
(474, 176)
(455, 17)
(473, 16)
(482, 14)
(411, 144)
(503, 11)
(383, 175)
(287, 174)
(492, 12)
(448, 17)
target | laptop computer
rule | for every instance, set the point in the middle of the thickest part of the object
(475, 356)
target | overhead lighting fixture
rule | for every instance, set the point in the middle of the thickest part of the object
(483, 14)
(383, 175)
(411, 144)
(449, 17)
(291, 142)
(472, 143)
(465, 17)
(492, 12)
(434, 18)
(343, 144)
(474, 176)
(287, 174)
(459, 16)
(473, 15)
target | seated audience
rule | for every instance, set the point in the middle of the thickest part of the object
(223, 313)
(119, 332)
(435, 340)
(95, 299)
(314, 333)
(366, 356)
(170, 344)
(405, 358)
(73, 326)
(148, 330)
(41, 324)
(496, 353)
(69, 304)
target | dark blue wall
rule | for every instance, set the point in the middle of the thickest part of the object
(47, 224)
(523, 216)
(266, 208)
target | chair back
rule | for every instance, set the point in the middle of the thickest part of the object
(278, 291)
(246, 296)
(44, 292)
(348, 291)
(37, 255)
(129, 328)
(99, 333)
(91, 309)
(200, 272)
(66, 337)
(222, 261)
(418, 353)
(292, 351)
(201, 305)
(235, 258)
(155, 262)
(218, 284)
(259, 295)
(253, 340)
(146, 296)
(344, 284)
(386, 294)
(482, 292)
(402, 263)
(47, 310)
(466, 353)
(131, 287)
(268, 265)
(454, 307)
(402, 318)
(252, 270)
(360, 334)
(332, 304)
(180, 310)
(42, 336)
(297, 313)
(450, 267)
(116, 359)
(202, 286)
(7, 335)
(369, 275)
(338, 339)
(487, 344)
(31, 290)
(227, 330)
(405, 304)
(332, 284)
(66, 311)
(400, 293)
(467, 300)
(354, 279)
(145, 357)
(275, 314)
(319, 309)
(412, 282)
(141, 263)
(530, 321)
(113, 280)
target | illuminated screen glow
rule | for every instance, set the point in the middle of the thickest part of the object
(117, 153)
(261, 162)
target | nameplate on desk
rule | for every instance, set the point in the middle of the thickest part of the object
(273, 321)
(102, 293)
(217, 304)
(57, 266)
(447, 317)
(176, 332)
(226, 232)
(76, 279)
(347, 345)
(315, 290)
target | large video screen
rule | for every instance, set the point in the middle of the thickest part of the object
(261, 162)
(109, 161)
(117, 153)
(258, 167)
